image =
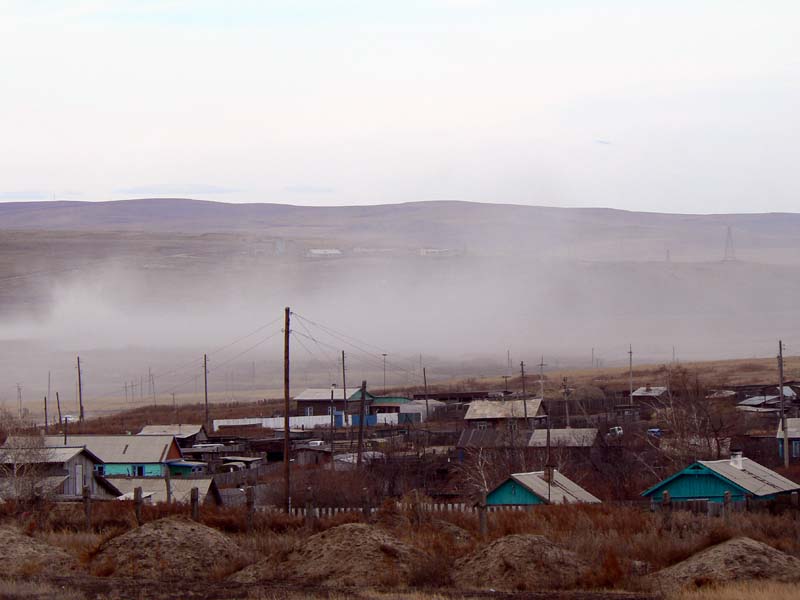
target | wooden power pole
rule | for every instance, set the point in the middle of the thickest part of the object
(80, 392)
(344, 394)
(783, 409)
(425, 383)
(524, 395)
(286, 445)
(205, 385)
(361, 418)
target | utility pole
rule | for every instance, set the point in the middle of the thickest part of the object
(126, 392)
(566, 402)
(425, 383)
(593, 358)
(175, 407)
(361, 419)
(542, 365)
(630, 373)
(205, 384)
(524, 395)
(58, 404)
(783, 410)
(344, 392)
(45, 414)
(153, 388)
(48, 395)
(333, 417)
(19, 401)
(384, 373)
(80, 392)
(286, 446)
(505, 384)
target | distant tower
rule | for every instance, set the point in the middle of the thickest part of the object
(730, 251)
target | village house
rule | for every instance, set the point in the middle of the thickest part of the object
(539, 487)
(315, 402)
(486, 414)
(711, 479)
(41, 471)
(793, 429)
(125, 455)
(186, 435)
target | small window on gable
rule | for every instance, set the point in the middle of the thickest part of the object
(513, 490)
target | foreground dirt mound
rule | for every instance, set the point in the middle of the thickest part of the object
(519, 562)
(26, 556)
(344, 556)
(736, 559)
(166, 549)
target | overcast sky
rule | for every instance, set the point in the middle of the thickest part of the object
(678, 106)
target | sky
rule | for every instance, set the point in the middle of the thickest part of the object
(669, 106)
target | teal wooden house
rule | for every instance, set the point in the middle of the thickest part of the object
(711, 479)
(126, 455)
(538, 487)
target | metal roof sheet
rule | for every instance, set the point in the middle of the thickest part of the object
(564, 438)
(38, 455)
(759, 400)
(503, 409)
(755, 478)
(126, 449)
(651, 391)
(156, 487)
(179, 431)
(561, 489)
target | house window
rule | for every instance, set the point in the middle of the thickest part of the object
(482, 425)
(330, 410)
(100, 470)
(309, 411)
(795, 448)
(138, 470)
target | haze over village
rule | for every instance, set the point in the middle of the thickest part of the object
(372, 300)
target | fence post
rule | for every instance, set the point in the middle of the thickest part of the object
(726, 504)
(666, 501)
(483, 521)
(195, 500)
(309, 510)
(251, 505)
(137, 504)
(87, 507)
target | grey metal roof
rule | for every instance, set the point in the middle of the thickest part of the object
(759, 400)
(562, 489)
(755, 478)
(322, 394)
(179, 431)
(565, 438)
(127, 449)
(502, 409)
(792, 426)
(38, 455)
(651, 391)
(156, 487)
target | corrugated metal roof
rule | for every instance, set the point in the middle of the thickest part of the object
(753, 477)
(792, 426)
(156, 487)
(651, 391)
(565, 438)
(126, 449)
(562, 489)
(38, 455)
(179, 431)
(759, 400)
(502, 409)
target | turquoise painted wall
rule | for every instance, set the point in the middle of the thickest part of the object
(511, 492)
(696, 482)
(150, 470)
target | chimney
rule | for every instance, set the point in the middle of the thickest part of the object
(736, 459)
(648, 388)
(549, 473)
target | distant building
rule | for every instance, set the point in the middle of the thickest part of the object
(324, 253)
(186, 435)
(316, 402)
(539, 487)
(760, 404)
(710, 479)
(485, 414)
(649, 392)
(42, 471)
(125, 455)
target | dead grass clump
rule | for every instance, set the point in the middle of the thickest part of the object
(23, 555)
(742, 590)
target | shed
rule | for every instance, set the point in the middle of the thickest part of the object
(530, 489)
(156, 489)
(493, 413)
(793, 429)
(710, 479)
(315, 402)
(186, 435)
